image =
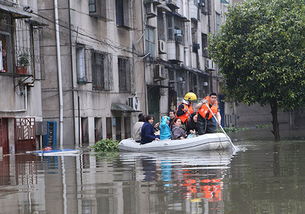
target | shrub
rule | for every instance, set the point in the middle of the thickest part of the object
(106, 145)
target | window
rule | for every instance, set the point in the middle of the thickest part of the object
(203, 86)
(98, 131)
(97, 8)
(206, 7)
(181, 83)
(118, 129)
(170, 27)
(218, 22)
(194, 30)
(179, 30)
(161, 26)
(123, 13)
(6, 57)
(92, 6)
(124, 74)
(150, 42)
(193, 86)
(127, 123)
(109, 127)
(4, 53)
(204, 41)
(81, 64)
(85, 134)
(101, 71)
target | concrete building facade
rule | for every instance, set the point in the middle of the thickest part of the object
(101, 51)
(20, 75)
(121, 57)
(177, 39)
(105, 62)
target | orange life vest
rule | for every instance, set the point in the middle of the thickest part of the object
(204, 110)
(188, 111)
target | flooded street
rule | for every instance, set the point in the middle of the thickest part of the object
(263, 177)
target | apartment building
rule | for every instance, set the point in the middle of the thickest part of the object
(104, 62)
(177, 39)
(20, 75)
(101, 60)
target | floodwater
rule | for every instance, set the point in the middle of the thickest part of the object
(263, 177)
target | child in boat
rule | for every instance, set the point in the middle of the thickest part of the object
(178, 133)
(165, 131)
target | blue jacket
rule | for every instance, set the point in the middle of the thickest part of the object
(147, 133)
(165, 131)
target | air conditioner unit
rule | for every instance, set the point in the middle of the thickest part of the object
(150, 10)
(210, 64)
(134, 103)
(159, 73)
(162, 46)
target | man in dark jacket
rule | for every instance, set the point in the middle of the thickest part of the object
(147, 131)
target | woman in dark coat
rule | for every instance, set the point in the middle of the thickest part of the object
(191, 127)
(147, 131)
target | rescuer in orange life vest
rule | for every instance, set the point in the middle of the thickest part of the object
(185, 109)
(206, 122)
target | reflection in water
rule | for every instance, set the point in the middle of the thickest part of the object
(125, 183)
(266, 178)
(164, 183)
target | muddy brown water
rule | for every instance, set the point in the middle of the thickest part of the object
(263, 177)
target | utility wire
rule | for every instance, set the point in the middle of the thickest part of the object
(27, 9)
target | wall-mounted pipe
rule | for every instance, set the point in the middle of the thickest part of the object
(59, 74)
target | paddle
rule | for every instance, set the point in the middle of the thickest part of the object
(221, 126)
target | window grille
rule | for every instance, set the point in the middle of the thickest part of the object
(150, 41)
(81, 64)
(102, 71)
(124, 74)
(25, 128)
(123, 12)
(204, 41)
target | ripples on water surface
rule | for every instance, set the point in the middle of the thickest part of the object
(261, 178)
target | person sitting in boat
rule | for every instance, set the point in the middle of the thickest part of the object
(136, 130)
(147, 131)
(172, 116)
(178, 133)
(185, 109)
(165, 131)
(191, 126)
(208, 107)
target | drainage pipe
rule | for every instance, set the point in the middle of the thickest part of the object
(59, 74)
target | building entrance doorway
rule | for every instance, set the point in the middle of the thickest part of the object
(153, 93)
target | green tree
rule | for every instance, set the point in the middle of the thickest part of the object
(261, 53)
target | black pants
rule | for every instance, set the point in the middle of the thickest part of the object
(206, 126)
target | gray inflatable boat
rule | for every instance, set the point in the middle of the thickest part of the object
(206, 142)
